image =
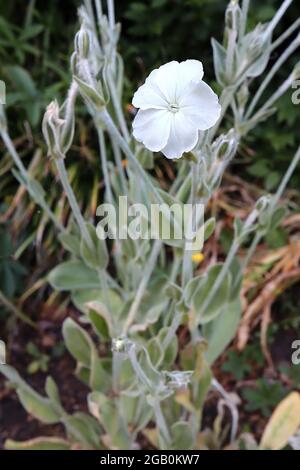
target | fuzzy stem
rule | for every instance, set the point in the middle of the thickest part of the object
(230, 53)
(143, 284)
(121, 172)
(103, 157)
(111, 13)
(138, 370)
(278, 16)
(286, 34)
(187, 268)
(99, 10)
(117, 107)
(275, 97)
(292, 47)
(161, 422)
(286, 177)
(251, 250)
(115, 134)
(243, 25)
(226, 266)
(231, 405)
(276, 198)
(59, 160)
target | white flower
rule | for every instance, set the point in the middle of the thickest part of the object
(174, 105)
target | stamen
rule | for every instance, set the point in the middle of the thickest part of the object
(173, 107)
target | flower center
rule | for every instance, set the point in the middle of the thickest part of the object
(173, 108)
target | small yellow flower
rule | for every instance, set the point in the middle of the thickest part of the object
(198, 258)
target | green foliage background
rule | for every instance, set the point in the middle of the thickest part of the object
(36, 39)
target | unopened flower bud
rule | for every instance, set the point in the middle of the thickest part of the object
(256, 43)
(82, 42)
(263, 203)
(264, 209)
(225, 147)
(232, 15)
(59, 132)
(51, 127)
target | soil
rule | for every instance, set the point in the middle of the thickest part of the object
(15, 423)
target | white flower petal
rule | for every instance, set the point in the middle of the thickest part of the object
(152, 128)
(166, 79)
(149, 96)
(189, 71)
(151, 76)
(200, 104)
(183, 136)
(173, 77)
(166, 84)
(174, 105)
